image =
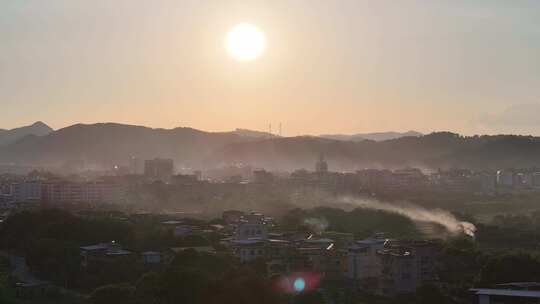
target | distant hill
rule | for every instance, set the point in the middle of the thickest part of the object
(253, 134)
(37, 129)
(377, 136)
(436, 150)
(106, 144)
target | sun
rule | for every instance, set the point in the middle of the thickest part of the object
(245, 42)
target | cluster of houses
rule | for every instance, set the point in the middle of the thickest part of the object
(387, 267)
(376, 265)
(384, 266)
(113, 252)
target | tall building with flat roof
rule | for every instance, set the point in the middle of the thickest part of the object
(29, 191)
(322, 166)
(159, 169)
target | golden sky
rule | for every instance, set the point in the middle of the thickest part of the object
(329, 66)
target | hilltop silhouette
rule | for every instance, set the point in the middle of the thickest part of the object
(104, 144)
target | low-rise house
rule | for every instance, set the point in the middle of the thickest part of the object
(232, 216)
(334, 265)
(151, 257)
(277, 256)
(508, 293)
(254, 217)
(310, 255)
(341, 239)
(398, 272)
(103, 253)
(182, 230)
(407, 265)
(246, 231)
(200, 249)
(364, 265)
(249, 250)
(171, 223)
(389, 267)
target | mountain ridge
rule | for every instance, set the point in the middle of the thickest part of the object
(376, 136)
(107, 144)
(38, 128)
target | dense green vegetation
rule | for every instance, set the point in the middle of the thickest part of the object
(506, 232)
(196, 278)
(50, 241)
(362, 223)
(7, 294)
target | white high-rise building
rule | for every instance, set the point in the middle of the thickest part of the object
(29, 191)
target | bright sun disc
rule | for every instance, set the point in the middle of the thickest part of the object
(245, 42)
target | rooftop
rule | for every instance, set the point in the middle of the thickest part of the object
(371, 241)
(96, 247)
(319, 241)
(172, 222)
(206, 249)
(520, 285)
(248, 242)
(507, 292)
(118, 252)
(395, 252)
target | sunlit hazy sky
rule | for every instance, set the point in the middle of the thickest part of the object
(329, 67)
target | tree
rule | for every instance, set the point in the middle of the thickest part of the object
(6, 293)
(312, 297)
(183, 285)
(510, 267)
(244, 286)
(461, 262)
(113, 294)
(429, 294)
(54, 260)
(148, 288)
(210, 264)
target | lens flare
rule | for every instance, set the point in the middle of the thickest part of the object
(299, 284)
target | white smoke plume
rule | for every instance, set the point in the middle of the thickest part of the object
(417, 213)
(318, 225)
